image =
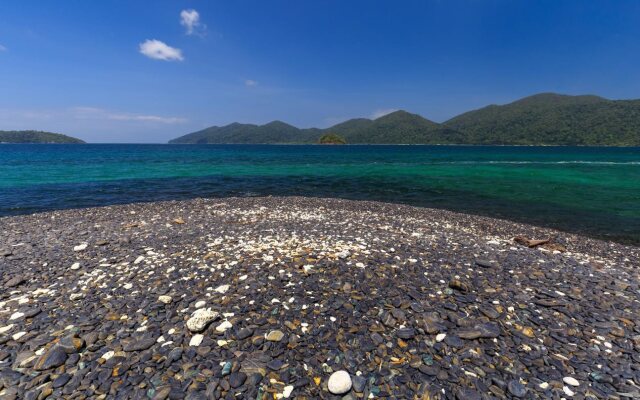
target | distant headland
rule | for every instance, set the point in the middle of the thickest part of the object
(35, 137)
(542, 119)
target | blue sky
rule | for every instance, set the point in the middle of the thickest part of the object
(78, 67)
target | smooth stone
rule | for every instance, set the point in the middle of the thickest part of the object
(224, 326)
(54, 357)
(339, 382)
(406, 333)
(61, 380)
(80, 247)
(196, 340)
(458, 285)
(139, 344)
(222, 289)
(244, 333)
(237, 379)
(275, 364)
(71, 344)
(359, 383)
(516, 388)
(201, 319)
(275, 336)
(286, 392)
(484, 263)
(570, 381)
(15, 281)
(488, 330)
(165, 299)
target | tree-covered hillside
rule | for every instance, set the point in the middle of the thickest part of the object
(35, 137)
(543, 119)
(553, 119)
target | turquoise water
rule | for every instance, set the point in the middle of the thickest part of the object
(589, 190)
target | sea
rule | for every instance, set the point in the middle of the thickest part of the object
(593, 191)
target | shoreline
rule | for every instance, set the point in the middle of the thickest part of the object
(408, 301)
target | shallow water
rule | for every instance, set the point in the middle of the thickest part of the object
(591, 190)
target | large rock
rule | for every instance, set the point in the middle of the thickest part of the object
(201, 319)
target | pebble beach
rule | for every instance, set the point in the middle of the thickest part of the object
(304, 298)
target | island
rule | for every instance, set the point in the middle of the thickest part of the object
(331, 138)
(40, 137)
(541, 119)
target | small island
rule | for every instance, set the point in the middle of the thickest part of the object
(331, 138)
(39, 137)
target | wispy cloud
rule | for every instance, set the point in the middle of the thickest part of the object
(250, 83)
(381, 113)
(100, 113)
(190, 19)
(160, 51)
(2, 48)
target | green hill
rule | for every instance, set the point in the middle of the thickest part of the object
(35, 137)
(399, 127)
(543, 119)
(553, 119)
(236, 133)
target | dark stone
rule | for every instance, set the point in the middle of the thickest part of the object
(487, 330)
(484, 263)
(61, 380)
(139, 344)
(54, 357)
(244, 333)
(15, 281)
(406, 333)
(516, 388)
(359, 383)
(276, 364)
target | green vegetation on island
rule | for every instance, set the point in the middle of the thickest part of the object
(35, 137)
(543, 119)
(331, 138)
(550, 119)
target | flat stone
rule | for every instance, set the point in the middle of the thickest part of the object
(54, 357)
(484, 263)
(486, 330)
(196, 340)
(244, 333)
(15, 281)
(237, 379)
(71, 344)
(571, 381)
(139, 344)
(359, 383)
(275, 336)
(406, 333)
(516, 388)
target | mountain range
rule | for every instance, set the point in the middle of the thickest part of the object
(542, 119)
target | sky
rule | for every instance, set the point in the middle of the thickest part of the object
(131, 71)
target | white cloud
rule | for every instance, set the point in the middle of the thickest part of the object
(190, 19)
(250, 82)
(160, 51)
(99, 113)
(2, 48)
(381, 113)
